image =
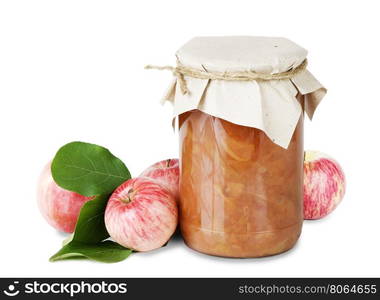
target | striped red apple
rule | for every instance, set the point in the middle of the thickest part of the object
(59, 207)
(166, 172)
(141, 214)
(324, 185)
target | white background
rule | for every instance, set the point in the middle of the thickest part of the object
(73, 70)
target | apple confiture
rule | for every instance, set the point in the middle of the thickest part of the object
(240, 104)
(240, 194)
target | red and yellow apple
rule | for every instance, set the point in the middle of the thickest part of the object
(59, 207)
(324, 185)
(166, 172)
(141, 214)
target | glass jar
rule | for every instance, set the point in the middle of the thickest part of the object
(240, 102)
(240, 193)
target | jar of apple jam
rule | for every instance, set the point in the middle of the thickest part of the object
(240, 103)
(240, 194)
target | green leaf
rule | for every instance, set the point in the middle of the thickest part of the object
(90, 227)
(107, 251)
(88, 169)
(87, 241)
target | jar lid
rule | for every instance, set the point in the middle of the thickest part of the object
(270, 105)
(242, 53)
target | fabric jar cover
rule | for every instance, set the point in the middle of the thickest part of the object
(269, 105)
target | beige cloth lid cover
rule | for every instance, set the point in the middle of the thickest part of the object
(270, 105)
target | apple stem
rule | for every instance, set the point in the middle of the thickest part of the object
(129, 195)
(168, 163)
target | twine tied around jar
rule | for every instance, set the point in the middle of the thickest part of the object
(180, 71)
